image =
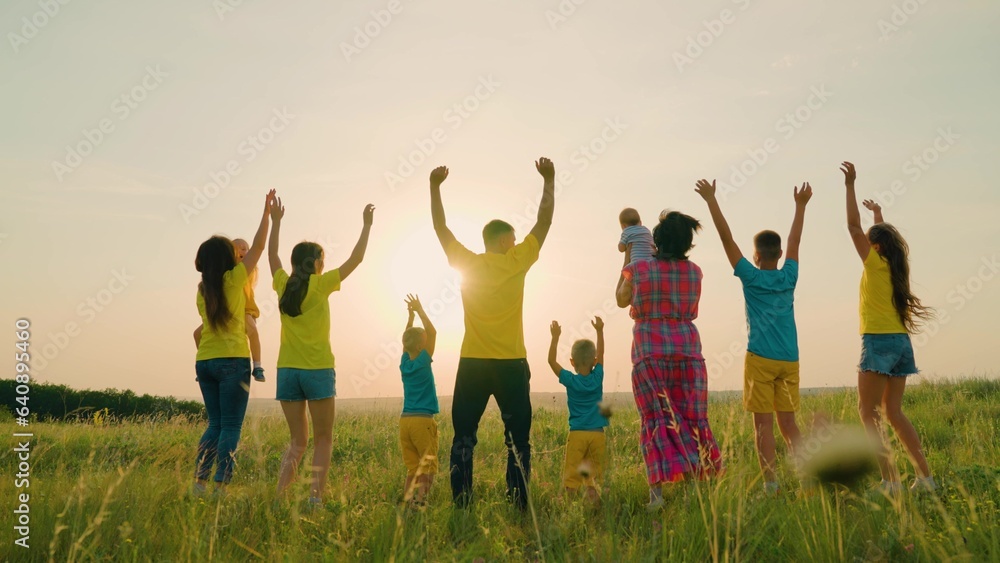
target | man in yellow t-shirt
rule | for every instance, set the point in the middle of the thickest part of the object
(493, 359)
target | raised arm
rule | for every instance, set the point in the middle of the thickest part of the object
(795, 235)
(277, 212)
(444, 234)
(546, 207)
(598, 324)
(875, 208)
(260, 237)
(707, 192)
(854, 228)
(556, 330)
(358, 254)
(413, 302)
(410, 314)
(623, 292)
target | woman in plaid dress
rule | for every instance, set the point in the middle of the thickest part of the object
(668, 370)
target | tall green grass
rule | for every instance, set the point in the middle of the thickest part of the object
(120, 492)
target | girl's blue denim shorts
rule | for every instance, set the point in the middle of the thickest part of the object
(306, 384)
(888, 354)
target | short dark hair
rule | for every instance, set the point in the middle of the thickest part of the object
(496, 229)
(629, 217)
(768, 245)
(674, 235)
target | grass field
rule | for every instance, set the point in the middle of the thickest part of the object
(102, 492)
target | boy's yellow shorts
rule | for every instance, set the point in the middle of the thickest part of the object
(770, 385)
(585, 451)
(418, 438)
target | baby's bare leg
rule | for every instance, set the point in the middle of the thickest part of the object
(254, 337)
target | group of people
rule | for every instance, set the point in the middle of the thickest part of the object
(658, 283)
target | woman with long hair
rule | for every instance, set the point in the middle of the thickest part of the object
(222, 364)
(889, 313)
(669, 378)
(306, 376)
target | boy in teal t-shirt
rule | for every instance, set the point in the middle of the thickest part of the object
(418, 431)
(771, 368)
(586, 445)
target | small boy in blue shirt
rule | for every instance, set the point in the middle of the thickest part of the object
(635, 237)
(418, 431)
(585, 447)
(771, 369)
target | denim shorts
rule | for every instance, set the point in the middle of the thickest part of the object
(888, 354)
(306, 384)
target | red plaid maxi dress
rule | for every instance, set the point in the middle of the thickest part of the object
(668, 371)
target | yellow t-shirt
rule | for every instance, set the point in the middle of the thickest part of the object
(230, 342)
(305, 339)
(493, 298)
(878, 315)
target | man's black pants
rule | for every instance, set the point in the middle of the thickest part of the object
(508, 381)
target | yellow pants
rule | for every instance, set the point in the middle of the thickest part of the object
(770, 385)
(585, 451)
(418, 438)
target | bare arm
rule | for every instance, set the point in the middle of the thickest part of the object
(622, 247)
(358, 254)
(444, 234)
(707, 192)
(260, 237)
(546, 208)
(875, 208)
(853, 214)
(409, 320)
(795, 235)
(598, 324)
(414, 302)
(277, 212)
(623, 293)
(556, 330)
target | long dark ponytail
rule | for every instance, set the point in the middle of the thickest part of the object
(894, 249)
(304, 257)
(215, 257)
(674, 235)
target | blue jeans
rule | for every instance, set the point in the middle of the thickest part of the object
(225, 387)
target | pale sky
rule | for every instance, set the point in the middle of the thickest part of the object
(299, 97)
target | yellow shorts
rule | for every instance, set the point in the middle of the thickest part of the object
(584, 458)
(770, 385)
(418, 438)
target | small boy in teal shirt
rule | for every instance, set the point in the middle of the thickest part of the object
(586, 445)
(418, 431)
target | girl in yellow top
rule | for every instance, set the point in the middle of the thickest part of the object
(223, 361)
(306, 376)
(889, 312)
(251, 310)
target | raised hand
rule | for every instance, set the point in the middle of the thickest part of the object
(439, 175)
(546, 168)
(276, 210)
(555, 329)
(850, 174)
(704, 189)
(597, 323)
(413, 303)
(872, 205)
(369, 215)
(268, 199)
(802, 195)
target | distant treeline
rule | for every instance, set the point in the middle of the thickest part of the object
(59, 402)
